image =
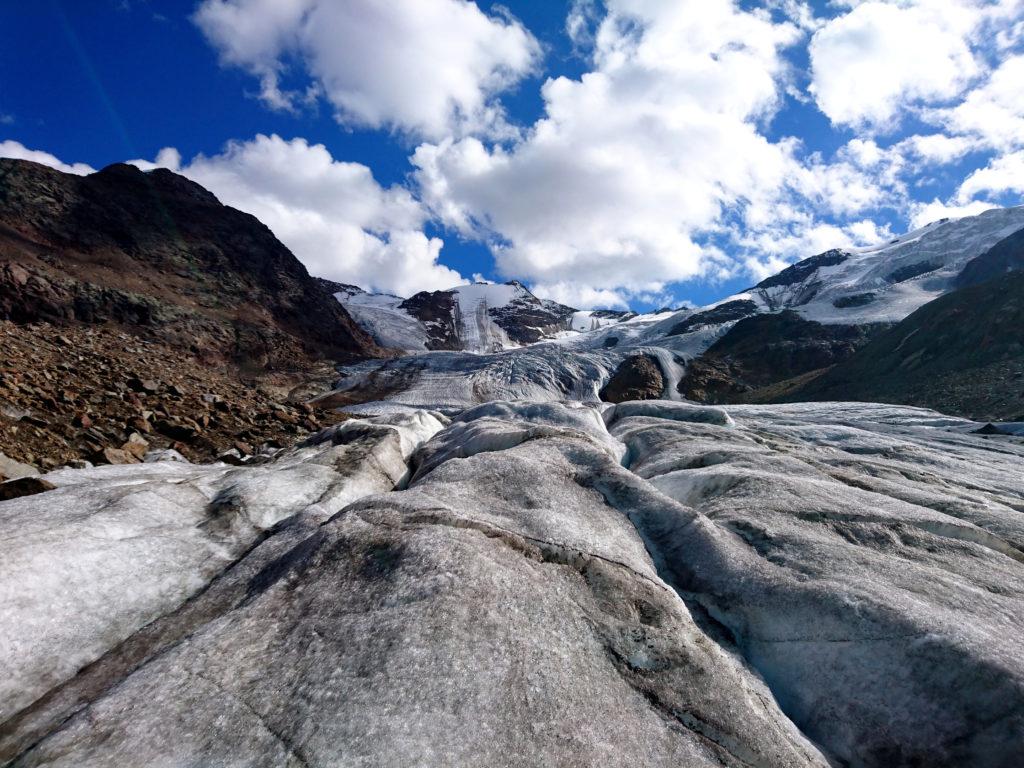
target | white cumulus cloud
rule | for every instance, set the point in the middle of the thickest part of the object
(925, 213)
(608, 190)
(427, 67)
(993, 113)
(1003, 174)
(869, 64)
(19, 151)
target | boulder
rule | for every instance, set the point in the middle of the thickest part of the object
(24, 486)
(136, 446)
(114, 456)
(12, 470)
(637, 378)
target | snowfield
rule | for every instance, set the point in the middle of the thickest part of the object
(654, 583)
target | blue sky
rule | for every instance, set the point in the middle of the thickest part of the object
(632, 152)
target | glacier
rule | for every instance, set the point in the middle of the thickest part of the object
(532, 583)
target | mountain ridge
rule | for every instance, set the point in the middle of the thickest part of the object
(156, 251)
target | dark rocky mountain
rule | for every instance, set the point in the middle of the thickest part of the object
(962, 354)
(137, 313)
(1003, 257)
(334, 287)
(438, 313)
(760, 353)
(160, 255)
(527, 319)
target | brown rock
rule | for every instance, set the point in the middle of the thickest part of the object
(24, 486)
(12, 470)
(284, 417)
(136, 446)
(82, 420)
(115, 456)
(143, 385)
(139, 424)
(176, 430)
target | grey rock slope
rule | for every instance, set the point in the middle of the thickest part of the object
(649, 583)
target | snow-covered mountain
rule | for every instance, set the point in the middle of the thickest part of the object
(868, 287)
(886, 283)
(478, 318)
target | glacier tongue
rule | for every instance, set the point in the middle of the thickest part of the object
(648, 584)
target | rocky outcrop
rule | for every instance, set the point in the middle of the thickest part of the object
(527, 319)
(159, 255)
(799, 272)
(481, 317)
(660, 584)
(636, 378)
(436, 311)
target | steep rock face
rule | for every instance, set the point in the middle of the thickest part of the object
(667, 585)
(486, 317)
(1005, 256)
(765, 350)
(527, 319)
(962, 354)
(155, 251)
(437, 312)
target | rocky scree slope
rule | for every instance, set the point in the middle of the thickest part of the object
(77, 393)
(649, 583)
(159, 255)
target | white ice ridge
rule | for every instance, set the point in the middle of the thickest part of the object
(654, 583)
(85, 566)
